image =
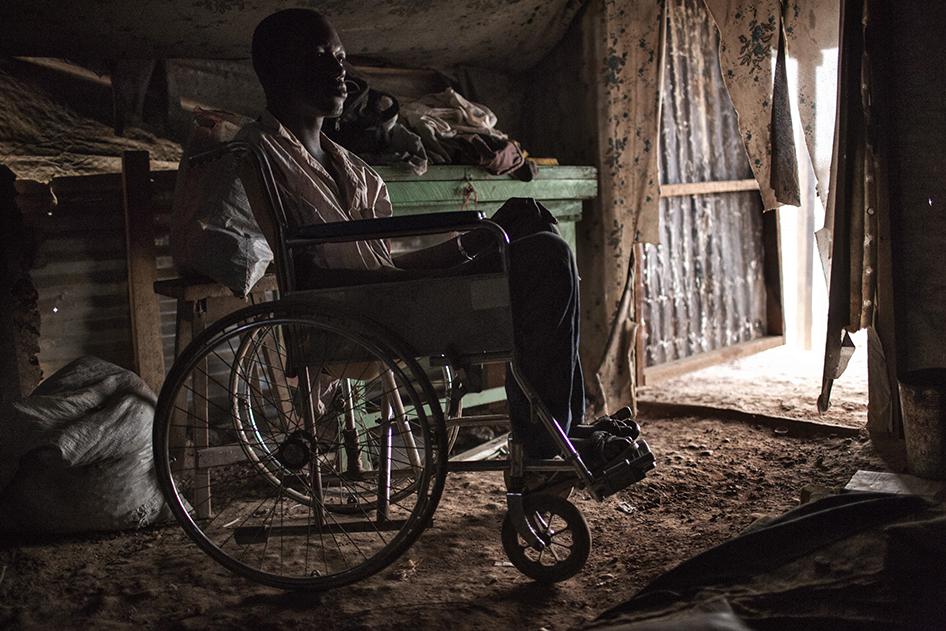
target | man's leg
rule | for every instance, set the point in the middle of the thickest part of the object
(544, 290)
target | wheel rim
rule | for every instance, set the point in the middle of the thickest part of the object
(555, 533)
(564, 533)
(266, 520)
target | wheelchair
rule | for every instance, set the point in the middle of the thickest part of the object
(303, 442)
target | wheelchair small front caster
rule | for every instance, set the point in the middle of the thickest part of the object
(563, 532)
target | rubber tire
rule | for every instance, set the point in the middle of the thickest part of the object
(581, 538)
(366, 331)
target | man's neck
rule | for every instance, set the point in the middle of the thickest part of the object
(306, 128)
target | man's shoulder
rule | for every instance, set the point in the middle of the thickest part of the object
(251, 132)
(353, 160)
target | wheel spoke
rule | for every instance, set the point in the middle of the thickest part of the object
(250, 405)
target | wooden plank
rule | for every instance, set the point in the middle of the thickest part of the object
(640, 348)
(898, 483)
(491, 395)
(794, 426)
(707, 188)
(249, 535)
(460, 172)
(139, 235)
(564, 211)
(193, 290)
(884, 415)
(772, 274)
(210, 457)
(201, 427)
(670, 370)
(484, 451)
(103, 184)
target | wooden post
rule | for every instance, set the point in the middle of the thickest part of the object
(139, 241)
(640, 353)
(19, 318)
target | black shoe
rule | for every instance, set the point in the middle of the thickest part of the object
(621, 423)
(602, 448)
(624, 414)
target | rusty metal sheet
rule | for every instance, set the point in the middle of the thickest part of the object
(703, 285)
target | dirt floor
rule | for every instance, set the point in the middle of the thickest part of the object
(713, 479)
(783, 382)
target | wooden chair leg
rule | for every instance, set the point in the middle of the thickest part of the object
(177, 437)
(201, 416)
(273, 359)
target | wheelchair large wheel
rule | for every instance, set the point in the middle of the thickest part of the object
(253, 386)
(299, 450)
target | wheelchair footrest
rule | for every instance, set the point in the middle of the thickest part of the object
(632, 466)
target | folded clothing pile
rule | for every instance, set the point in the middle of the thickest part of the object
(439, 128)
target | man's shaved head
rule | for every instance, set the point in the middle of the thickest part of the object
(297, 51)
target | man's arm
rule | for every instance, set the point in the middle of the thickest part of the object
(443, 255)
(452, 253)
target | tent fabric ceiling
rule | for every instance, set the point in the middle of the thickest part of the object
(501, 34)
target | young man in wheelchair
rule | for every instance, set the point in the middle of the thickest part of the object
(300, 62)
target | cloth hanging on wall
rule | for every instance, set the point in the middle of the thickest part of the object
(853, 213)
(751, 37)
(628, 79)
(811, 36)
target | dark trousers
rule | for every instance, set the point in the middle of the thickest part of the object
(543, 285)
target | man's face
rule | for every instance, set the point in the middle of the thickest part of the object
(318, 83)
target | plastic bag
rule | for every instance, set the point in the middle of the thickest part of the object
(213, 231)
(76, 455)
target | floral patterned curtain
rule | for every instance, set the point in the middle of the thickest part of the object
(628, 78)
(751, 38)
(757, 40)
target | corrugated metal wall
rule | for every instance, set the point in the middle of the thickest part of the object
(703, 286)
(80, 271)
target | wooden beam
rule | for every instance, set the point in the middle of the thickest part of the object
(707, 188)
(795, 426)
(139, 240)
(772, 274)
(670, 370)
(640, 348)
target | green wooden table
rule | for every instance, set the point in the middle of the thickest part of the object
(561, 189)
(447, 188)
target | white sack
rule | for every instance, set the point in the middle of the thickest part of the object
(76, 454)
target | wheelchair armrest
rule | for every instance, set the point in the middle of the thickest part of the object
(392, 227)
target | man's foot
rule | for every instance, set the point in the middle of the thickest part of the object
(620, 423)
(602, 448)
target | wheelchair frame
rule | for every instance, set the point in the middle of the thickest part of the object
(529, 518)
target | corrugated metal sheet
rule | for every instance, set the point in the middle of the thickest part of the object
(703, 286)
(80, 271)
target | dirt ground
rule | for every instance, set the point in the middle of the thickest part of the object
(713, 479)
(783, 381)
